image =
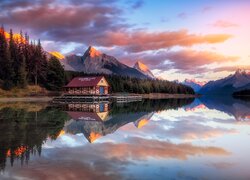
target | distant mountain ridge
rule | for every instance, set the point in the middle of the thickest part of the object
(240, 80)
(196, 85)
(94, 61)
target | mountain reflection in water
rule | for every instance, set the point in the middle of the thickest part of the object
(120, 137)
(24, 128)
(239, 108)
(97, 120)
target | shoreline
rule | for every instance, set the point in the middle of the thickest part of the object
(168, 96)
(48, 98)
(26, 99)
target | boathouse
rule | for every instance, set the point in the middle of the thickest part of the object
(96, 85)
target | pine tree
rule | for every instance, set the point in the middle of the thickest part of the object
(40, 65)
(55, 74)
(3, 52)
(7, 72)
(14, 60)
(21, 71)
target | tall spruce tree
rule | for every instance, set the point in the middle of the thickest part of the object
(3, 52)
(14, 59)
(38, 64)
(55, 74)
(7, 72)
(22, 73)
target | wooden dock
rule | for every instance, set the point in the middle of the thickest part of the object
(97, 99)
(128, 98)
(79, 99)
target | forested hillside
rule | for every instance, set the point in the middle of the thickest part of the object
(23, 62)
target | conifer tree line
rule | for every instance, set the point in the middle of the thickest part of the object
(145, 86)
(125, 84)
(23, 62)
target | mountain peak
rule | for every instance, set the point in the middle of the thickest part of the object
(143, 69)
(240, 71)
(92, 52)
(94, 61)
(141, 66)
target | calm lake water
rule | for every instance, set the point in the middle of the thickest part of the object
(207, 138)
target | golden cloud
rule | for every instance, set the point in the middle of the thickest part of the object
(143, 41)
(141, 149)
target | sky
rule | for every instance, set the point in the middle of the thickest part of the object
(203, 40)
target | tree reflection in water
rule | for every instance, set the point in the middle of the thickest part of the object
(22, 132)
(24, 128)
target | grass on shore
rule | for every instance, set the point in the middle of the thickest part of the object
(26, 92)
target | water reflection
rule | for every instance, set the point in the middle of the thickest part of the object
(97, 120)
(238, 108)
(24, 129)
(188, 139)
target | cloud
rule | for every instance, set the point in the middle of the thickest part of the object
(137, 4)
(232, 68)
(190, 61)
(139, 41)
(207, 9)
(105, 160)
(65, 22)
(222, 165)
(224, 24)
(92, 23)
(72, 25)
(182, 15)
(189, 130)
(75, 165)
(141, 149)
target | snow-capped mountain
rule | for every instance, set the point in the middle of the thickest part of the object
(238, 81)
(196, 85)
(94, 61)
(144, 69)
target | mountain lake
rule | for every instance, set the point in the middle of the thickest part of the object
(203, 138)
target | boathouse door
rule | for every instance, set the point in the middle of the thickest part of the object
(101, 90)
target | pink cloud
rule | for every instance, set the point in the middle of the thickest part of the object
(224, 24)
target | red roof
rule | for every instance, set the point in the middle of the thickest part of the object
(84, 81)
(85, 116)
